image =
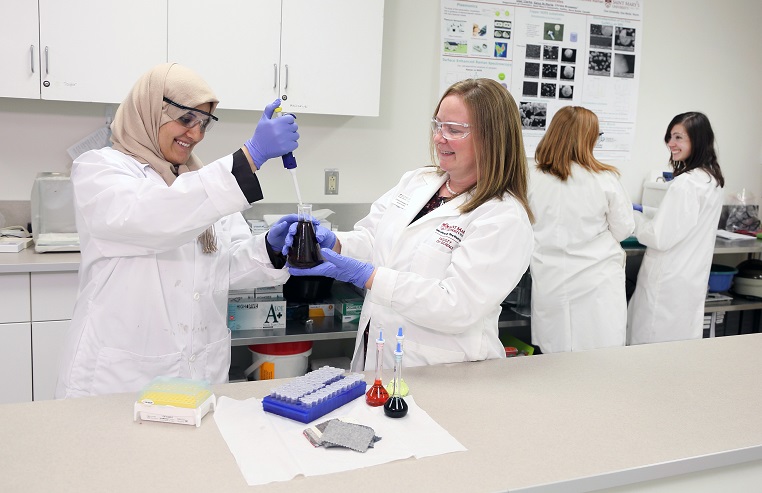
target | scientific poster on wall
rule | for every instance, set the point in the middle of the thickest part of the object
(550, 54)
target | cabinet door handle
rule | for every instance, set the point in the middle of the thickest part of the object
(31, 57)
(275, 75)
(286, 78)
(47, 61)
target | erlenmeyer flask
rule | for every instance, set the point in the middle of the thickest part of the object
(305, 251)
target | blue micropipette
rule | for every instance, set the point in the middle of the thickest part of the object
(289, 161)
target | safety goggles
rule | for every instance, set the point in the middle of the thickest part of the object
(189, 117)
(450, 130)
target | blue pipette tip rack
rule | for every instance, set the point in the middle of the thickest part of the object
(315, 394)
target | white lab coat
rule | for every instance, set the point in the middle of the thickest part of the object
(668, 303)
(441, 278)
(150, 302)
(577, 268)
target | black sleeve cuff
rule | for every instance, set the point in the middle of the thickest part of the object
(276, 258)
(247, 180)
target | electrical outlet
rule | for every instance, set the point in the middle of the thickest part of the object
(331, 182)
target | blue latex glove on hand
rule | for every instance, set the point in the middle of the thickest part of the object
(637, 207)
(324, 236)
(276, 237)
(273, 137)
(338, 267)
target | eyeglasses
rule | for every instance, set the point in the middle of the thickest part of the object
(450, 130)
(189, 117)
(601, 138)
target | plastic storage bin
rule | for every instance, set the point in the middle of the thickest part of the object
(721, 277)
(279, 360)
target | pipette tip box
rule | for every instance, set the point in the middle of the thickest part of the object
(315, 394)
(174, 400)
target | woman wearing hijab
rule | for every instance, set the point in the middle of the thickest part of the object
(163, 240)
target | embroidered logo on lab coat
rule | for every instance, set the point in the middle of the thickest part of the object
(449, 235)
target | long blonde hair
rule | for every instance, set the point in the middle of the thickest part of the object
(501, 161)
(570, 138)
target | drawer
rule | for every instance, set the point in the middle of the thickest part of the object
(14, 298)
(53, 295)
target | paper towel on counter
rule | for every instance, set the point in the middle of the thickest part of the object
(269, 448)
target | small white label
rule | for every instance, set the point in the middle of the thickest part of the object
(163, 418)
(401, 201)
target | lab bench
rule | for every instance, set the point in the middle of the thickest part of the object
(750, 247)
(674, 416)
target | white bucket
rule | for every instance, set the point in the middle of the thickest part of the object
(281, 360)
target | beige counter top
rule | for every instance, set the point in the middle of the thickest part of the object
(28, 260)
(559, 422)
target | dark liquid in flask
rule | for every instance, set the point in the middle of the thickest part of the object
(305, 252)
(395, 407)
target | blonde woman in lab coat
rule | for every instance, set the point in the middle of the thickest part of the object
(442, 249)
(668, 303)
(582, 212)
(162, 240)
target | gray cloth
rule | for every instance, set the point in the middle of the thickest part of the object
(338, 433)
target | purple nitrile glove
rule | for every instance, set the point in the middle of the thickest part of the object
(273, 137)
(276, 237)
(339, 267)
(324, 236)
(637, 207)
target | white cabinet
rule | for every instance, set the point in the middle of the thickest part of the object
(47, 341)
(15, 363)
(15, 339)
(79, 50)
(19, 56)
(237, 50)
(53, 296)
(35, 313)
(320, 56)
(15, 304)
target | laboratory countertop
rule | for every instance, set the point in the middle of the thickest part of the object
(721, 247)
(28, 260)
(560, 422)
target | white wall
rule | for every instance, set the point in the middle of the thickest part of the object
(697, 55)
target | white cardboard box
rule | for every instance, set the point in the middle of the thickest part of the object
(13, 245)
(257, 314)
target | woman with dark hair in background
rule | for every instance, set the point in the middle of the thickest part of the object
(668, 303)
(582, 212)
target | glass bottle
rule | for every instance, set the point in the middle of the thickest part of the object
(377, 394)
(395, 406)
(404, 389)
(305, 251)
